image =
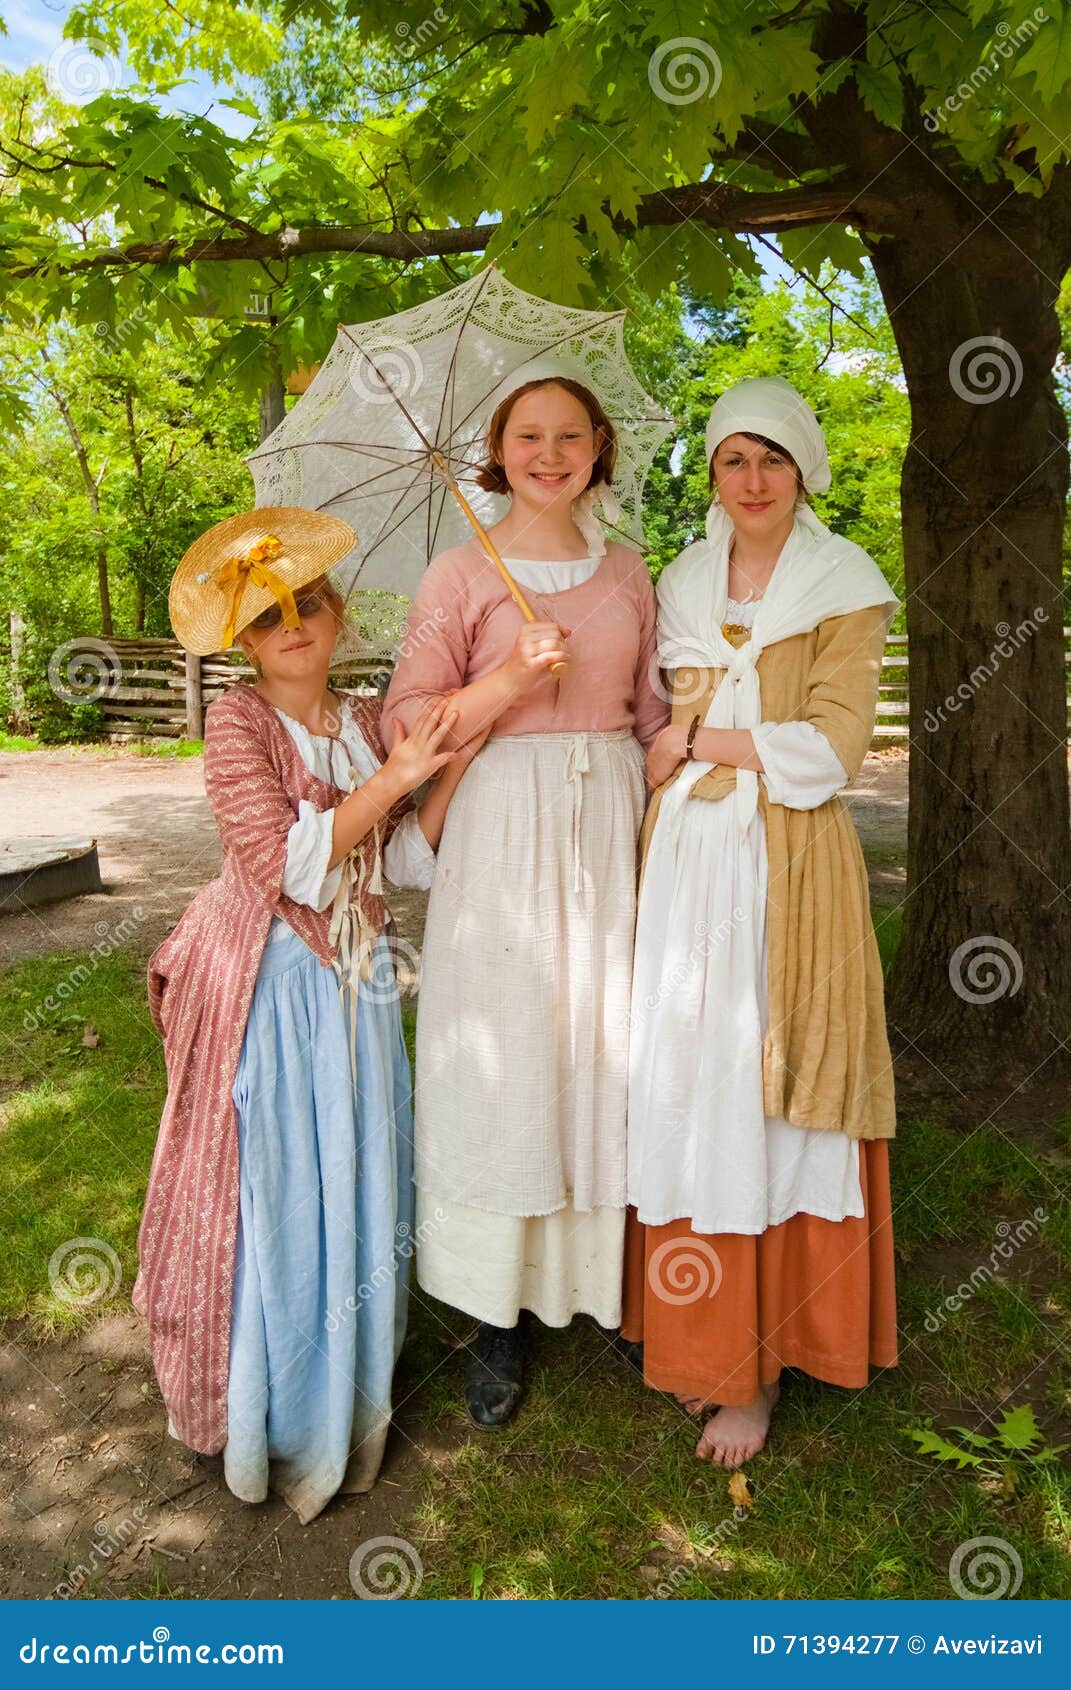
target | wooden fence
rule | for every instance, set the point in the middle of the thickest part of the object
(162, 691)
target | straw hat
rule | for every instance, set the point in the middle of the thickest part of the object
(248, 563)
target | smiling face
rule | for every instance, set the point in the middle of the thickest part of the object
(549, 446)
(757, 484)
(302, 653)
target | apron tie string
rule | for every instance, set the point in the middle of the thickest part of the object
(577, 765)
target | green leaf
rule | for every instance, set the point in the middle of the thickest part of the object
(1048, 60)
(1018, 1429)
(932, 1443)
(881, 91)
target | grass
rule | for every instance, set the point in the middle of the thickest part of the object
(136, 748)
(593, 1491)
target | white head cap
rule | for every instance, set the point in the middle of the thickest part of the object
(769, 406)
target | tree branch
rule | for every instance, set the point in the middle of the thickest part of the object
(713, 203)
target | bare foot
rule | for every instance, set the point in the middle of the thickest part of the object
(736, 1433)
(693, 1405)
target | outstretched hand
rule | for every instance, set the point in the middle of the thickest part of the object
(416, 756)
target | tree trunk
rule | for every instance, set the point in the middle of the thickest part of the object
(272, 400)
(982, 982)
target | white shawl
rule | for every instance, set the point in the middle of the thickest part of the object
(817, 575)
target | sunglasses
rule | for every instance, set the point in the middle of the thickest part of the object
(306, 607)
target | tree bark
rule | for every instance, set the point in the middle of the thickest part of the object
(272, 399)
(982, 983)
(91, 483)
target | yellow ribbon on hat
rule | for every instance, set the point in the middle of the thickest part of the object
(253, 566)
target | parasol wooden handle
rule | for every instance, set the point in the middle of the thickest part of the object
(490, 548)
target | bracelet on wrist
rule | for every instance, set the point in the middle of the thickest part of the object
(689, 744)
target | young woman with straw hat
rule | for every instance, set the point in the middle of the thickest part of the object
(760, 1081)
(275, 1238)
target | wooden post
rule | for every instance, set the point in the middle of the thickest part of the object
(195, 716)
(19, 716)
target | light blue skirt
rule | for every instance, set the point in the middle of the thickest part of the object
(324, 1232)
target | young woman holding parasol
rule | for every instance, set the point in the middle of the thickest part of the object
(522, 1028)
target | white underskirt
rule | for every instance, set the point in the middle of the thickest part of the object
(491, 1266)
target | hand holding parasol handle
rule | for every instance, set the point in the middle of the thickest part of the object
(489, 547)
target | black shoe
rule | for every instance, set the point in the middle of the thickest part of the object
(631, 1351)
(496, 1374)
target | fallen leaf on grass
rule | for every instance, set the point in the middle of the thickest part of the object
(90, 1038)
(740, 1494)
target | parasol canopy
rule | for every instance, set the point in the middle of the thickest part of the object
(391, 429)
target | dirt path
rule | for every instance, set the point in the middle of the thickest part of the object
(157, 843)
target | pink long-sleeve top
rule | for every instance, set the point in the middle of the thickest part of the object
(463, 624)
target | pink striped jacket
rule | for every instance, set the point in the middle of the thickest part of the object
(201, 983)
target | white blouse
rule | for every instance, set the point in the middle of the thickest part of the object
(408, 859)
(540, 577)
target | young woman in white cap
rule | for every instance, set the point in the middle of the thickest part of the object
(521, 1033)
(760, 1081)
(275, 1238)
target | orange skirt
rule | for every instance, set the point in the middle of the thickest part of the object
(721, 1313)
